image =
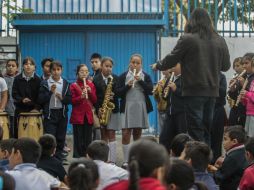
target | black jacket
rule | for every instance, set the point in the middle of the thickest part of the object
(45, 95)
(221, 100)
(122, 90)
(201, 62)
(100, 91)
(26, 89)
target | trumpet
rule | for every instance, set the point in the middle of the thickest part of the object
(166, 90)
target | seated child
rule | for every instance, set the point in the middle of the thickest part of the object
(247, 182)
(178, 144)
(5, 152)
(47, 161)
(231, 169)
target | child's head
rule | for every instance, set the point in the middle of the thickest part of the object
(198, 154)
(8, 181)
(95, 61)
(56, 69)
(167, 73)
(98, 150)
(136, 62)
(180, 176)
(247, 59)
(28, 66)
(25, 150)
(238, 65)
(233, 136)
(6, 148)
(146, 159)
(48, 145)
(45, 64)
(249, 149)
(83, 174)
(82, 71)
(178, 144)
(106, 66)
(12, 67)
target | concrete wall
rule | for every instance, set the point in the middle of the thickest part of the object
(237, 47)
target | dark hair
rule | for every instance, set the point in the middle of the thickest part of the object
(14, 60)
(83, 174)
(95, 56)
(98, 150)
(199, 153)
(248, 56)
(48, 144)
(79, 67)
(50, 59)
(178, 143)
(28, 59)
(237, 60)
(249, 145)
(144, 157)
(104, 59)
(55, 63)
(7, 144)
(1, 133)
(200, 23)
(30, 149)
(181, 174)
(137, 55)
(8, 181)
(236, 132)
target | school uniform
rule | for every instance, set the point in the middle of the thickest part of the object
(55, 110)
(100, 83)
(25, 87)
(176, 117)
(135, 103)
(82, 117)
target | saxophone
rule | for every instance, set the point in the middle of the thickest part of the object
(157, 93)
(107, 106)
(166, 90)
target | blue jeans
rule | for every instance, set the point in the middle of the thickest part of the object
(199, 110)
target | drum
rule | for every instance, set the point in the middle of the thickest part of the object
(30, 125)
(4, 123)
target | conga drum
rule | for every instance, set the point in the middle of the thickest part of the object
(4, 123)
(30, 125)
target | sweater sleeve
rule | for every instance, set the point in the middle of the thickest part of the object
(121, 87)
(147, 85)
(225, 58)
(75, 95)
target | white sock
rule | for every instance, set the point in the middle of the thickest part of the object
(125, 152)
(112, 151)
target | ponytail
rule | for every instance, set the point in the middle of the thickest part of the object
(134, 174)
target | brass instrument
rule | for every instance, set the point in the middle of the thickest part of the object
(107, 106)
(166, 90)
(239, 97)
(157, 93)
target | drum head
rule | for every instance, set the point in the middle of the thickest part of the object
(30, 114)
(3, 114)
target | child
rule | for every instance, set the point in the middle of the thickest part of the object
(247, 182)
(230, 171)
(55, 96)
(11, 71)
(5, 152)
(198, 154)
(47, 161)
(96, 64)
(134, 88)
(25, 91)
(247, 95)
(178, 144)
(147, 164)
(83, 174)
(109, 173)
(158, 96)
(83, 98)
(237, 113)
(45, 64)
(101, 82)
(176, 117)
(180, 176)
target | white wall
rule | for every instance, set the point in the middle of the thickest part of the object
(237, 47)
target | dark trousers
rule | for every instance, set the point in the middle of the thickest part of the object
(237, 116)
(217, 131)
(82, 136)
(11, 126)
(57, 126)
(199, 112)
(173, 125)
